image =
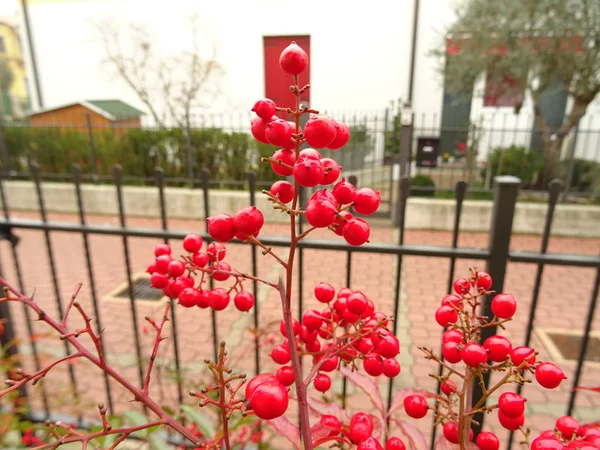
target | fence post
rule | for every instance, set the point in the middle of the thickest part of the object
(4, 148)
(406, 137)
(505, 198)
(93, 159)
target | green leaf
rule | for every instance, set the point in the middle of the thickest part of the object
(136, 419)
(157, 443)
(168, 410)
(205, 424)
(248, 420)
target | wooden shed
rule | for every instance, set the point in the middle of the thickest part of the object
(99, 113)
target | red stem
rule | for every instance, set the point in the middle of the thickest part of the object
(157, 342)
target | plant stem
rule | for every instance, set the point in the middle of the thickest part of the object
(222, 399)
(465, 398)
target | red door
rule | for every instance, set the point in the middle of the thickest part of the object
(277, 82)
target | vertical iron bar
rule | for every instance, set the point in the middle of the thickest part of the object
(34, 66)
(505, 199)
(253, 254)
(35, 172)
(403, 192)
(160, 183)
(190, 156)
(93, 160)
(90, 271)
(213, 316)
(554, 188)
(118, 177)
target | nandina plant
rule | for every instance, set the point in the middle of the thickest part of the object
(347, 335)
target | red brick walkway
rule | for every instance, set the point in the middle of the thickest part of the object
(563, 303)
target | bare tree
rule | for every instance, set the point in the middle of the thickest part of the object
(170, 87)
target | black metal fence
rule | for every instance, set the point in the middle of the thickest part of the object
(496, 257)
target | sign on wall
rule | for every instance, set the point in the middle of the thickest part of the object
(428, 150)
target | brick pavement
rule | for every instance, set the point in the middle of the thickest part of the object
(563, 303)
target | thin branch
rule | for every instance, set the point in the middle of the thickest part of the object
(157, 341)
(73, 298)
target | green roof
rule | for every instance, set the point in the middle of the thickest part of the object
(116, 108)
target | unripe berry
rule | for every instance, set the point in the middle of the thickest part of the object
(324, 292)
(258, 127)
(322, 382)
(293, 59)
(445, 315)
(161, 263)
(285, 375)
(391, 368)
(216, 251)
(308, 172)
(221, 228)
(510, 423)
(473, 354)
(567, 426)
(269, 400)
(356, 231)
(188, 297)
(511, 404)
(287, 157)
(373, 365)
(312, 319)
(265, 108)
(394, 443)
(192, 243)
(498, 348)
(519, 354)
(320, 131)
(356, 303)
(281, 354)
(487, 441)
(283, 190)
(279, 132)
(341, 138)
(366, 201)
(331, 171)
(218, 299)
(504, 306)
(159, 280)
(549, 375)
(415, 406)
(451, 352)
(248, 221)
(162, 249)
(243, 301)
(344, 192)
(257, 381)
(461, 286)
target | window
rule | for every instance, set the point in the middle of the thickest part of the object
(502, 90)
(2, 45)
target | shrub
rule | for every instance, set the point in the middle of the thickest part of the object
(422, 186)
(521, 162)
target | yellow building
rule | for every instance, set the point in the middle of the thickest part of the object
(15, 99)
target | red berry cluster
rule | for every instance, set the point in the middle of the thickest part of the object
(460, 344)
(244, 225)
(568, 434)
(346, 330)
(30, 439)
(176, 277)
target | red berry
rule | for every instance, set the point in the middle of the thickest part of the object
(218, 299)
(331, 171)
(281, 354)
(321, 209)
(504, 306)
(388, 346)
(279, 132)
(345, 293)
(187, 281)
(373, 365)
(369, 444)
(324, 292)
(308, 335)
(487, 441)
(370, 309)
(265, 108)
(202, 299)
(331, 422)
(445, 315)
(541, 443)
(222, 270)
(510, 423)
(340, 221)
(322, 382)
(287, 157)
(451, 432)
(567, 426)
(330, 364)
(188, 297)
(394, 443)
(519, 354)
(313, 346)
(258, 127)
(350, 317)
(511, 404)
(461, 286)
(327, 331)
(176, 269)
(549, 375)
(498, 348)
(192, 243)
(296, 326)
(415, 406)
(451, 299)
(161, 263)
(256, 381)
(151, 268)
(484, 281)
(293, 59)
(308, 172)
(162, 249)
(216, 251)
(220, 227)
(320, 131)
(391, 368)
(285, 375)
(248, 221)
(590, 432)
(356, 232)
(473, 354)
(174, 289)
(366, 201)
(311, 153)
(361, 427)
(283, 190)
(344, 192)
(200, 259)
(451, 352)
(312, 319)
(269, 400)
(342, 136)
(452, 336)
(243, 301)
(448, 387)
(356, 303)
(159, 281)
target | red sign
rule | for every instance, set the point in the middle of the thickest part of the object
(277, 82)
